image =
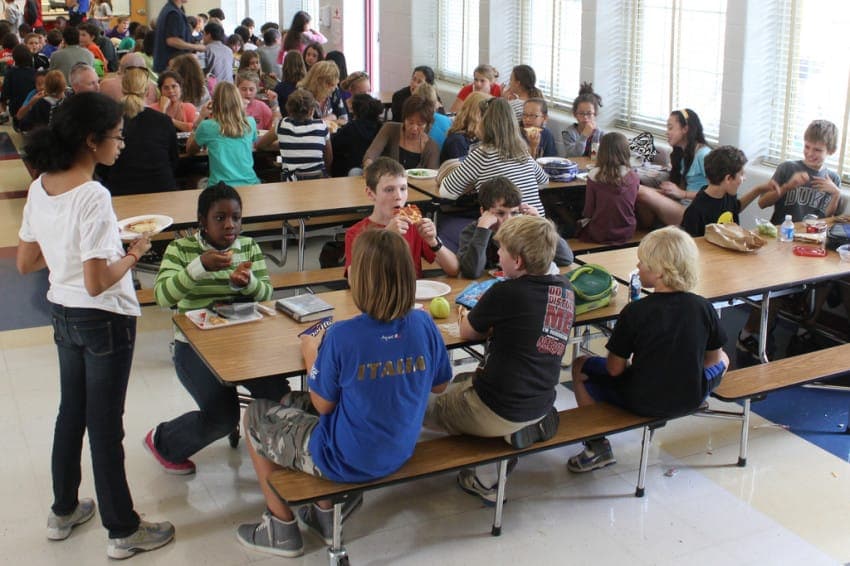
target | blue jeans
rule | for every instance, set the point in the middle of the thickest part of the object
(95, 354)
(218, 404)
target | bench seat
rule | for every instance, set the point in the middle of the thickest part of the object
(580, 247)
(754, 381)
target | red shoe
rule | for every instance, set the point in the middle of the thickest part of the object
(183, 468)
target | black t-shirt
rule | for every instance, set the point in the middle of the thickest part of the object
(667, 334)
(531, 318)
(706, 209)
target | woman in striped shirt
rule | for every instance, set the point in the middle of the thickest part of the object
(501, 153)
(215, 265)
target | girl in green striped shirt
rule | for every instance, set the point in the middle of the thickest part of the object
(216, 264)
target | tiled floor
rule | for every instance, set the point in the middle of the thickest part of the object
(790, 505)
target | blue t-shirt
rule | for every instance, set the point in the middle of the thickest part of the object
(695, 178)
(231, 159)
(440, 128)
(380, 383)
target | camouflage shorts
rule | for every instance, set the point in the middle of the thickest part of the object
(282, 433)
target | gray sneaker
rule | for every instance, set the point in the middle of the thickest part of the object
(272, 536)
(149, 536)
(469, 482)
(596, 454)
(321, 521)
(59, 526)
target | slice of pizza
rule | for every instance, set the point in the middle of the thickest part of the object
(531, 131)
(411, 212)
(142, 226)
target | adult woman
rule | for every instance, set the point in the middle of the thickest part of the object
(351, 141)
(521, 87)
(293, 72)
(687, 172)
(354, 84)
(408, 142)
(502, 152)
(464, 129)
(217, 263)
(421, 74)
(193, 86)
(149, 159)
(300, 35)
(580, 137)
(313, 53)
(483, 80)
(171, 103)
(229, 137)
(322, 81)
(70, 228)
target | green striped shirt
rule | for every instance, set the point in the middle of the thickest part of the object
(183, 281)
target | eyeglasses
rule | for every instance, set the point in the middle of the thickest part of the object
(119, 138)
(524, 115)
(585, 114)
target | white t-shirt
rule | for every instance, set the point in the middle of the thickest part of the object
(72, 228)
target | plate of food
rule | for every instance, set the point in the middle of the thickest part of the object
(206, 319)
(422, 174)
(427, 289)
(132, 228)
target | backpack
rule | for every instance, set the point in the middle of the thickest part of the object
(838, 235)
(643, 146)
(593, 286)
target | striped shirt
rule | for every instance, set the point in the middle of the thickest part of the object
(183, 281)
(302, 145)
(484, 163)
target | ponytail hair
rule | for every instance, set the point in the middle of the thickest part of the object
(134, 85)
(57, 146)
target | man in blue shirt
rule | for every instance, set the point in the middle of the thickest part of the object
(173, 35)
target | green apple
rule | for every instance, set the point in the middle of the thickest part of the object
(439, 307)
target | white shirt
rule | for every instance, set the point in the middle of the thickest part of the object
(70, 229)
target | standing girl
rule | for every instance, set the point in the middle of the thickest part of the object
(368, 427)
(229, 136)
(612, 188)
(216, 264)
(300, 35)
(687, 172)
(69, 227)
(580, 137)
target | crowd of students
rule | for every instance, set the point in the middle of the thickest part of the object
(664, 356)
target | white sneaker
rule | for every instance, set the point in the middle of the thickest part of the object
(149, 536)
(59, 526)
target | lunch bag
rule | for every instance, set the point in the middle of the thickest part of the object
(643, 146)
(593, 286)
(838, 235)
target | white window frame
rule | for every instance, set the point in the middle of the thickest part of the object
(802, 53)
(559, 80)
(673, 70)
(457, 57)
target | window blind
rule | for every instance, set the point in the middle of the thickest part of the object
(670, 63)
(457, 37)
(812, 70)
(550, 41)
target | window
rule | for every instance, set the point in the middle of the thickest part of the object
(550, 41)
(812, 73)
(674, 59)
(262, 11)
(458, 39)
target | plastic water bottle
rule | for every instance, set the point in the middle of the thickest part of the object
(786, 231)
(634, 286)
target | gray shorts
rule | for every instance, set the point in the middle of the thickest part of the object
(281, 432)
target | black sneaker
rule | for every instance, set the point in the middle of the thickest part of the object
(544, 429)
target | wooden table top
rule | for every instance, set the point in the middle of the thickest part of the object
(271, 346)
(263, 202)
(726, 274)
(429, 186)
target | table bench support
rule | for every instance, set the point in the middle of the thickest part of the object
(500, 498)
(745, 434)
(644, 457)
(337, 555)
